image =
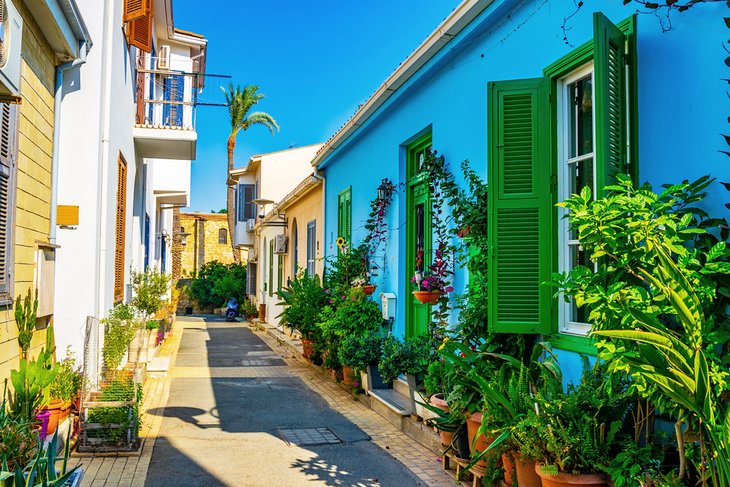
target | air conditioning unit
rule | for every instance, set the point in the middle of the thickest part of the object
(250, 224)
(11, 33)
(280, 242)
(163, 58)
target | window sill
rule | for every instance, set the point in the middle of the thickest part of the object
(573, 343)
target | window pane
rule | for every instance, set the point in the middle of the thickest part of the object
(580, 174)
(581, 117)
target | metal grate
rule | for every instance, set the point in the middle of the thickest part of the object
(309, 436)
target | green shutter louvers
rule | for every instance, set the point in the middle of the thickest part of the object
(521, 228)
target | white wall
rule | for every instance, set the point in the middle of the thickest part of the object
(281, 172)
(87, 174)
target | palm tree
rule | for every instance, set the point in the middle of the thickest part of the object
(239, 102)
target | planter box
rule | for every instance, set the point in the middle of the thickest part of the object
(374, 379)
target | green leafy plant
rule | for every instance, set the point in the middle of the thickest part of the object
(69, 380)
(40, 469)
(120, 328)
(17, 439)
(215, 283)
(25, 320)
(302, 301)
(150, 288)
(31, 381)
(359, 351)
(118, 420)
(410, 356)
(152, 325)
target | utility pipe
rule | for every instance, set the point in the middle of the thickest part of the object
(55, 156)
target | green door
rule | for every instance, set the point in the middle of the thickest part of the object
(418, 237)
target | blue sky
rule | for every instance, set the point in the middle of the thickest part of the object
(315, 61)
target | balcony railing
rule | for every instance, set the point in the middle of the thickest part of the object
(166, 99)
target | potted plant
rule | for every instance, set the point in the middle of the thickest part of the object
(361, 352)
(66, 385)
(432, 283)
(580, 429)
(303, 300)
(363, 283)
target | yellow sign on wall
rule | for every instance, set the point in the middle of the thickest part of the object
(67, 215)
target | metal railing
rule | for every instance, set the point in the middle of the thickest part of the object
(166, 99)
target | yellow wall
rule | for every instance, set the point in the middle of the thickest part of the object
(304, 210)
(33, 192)
(198, 251)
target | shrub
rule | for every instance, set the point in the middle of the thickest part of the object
(215, 283)
(68, 381)
(150, 288)
(411, 356)
(120, 327)
(303, 300)
(359, 351)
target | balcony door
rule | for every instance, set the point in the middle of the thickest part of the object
(173, 95)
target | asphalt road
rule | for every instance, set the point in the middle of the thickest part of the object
(229, 412)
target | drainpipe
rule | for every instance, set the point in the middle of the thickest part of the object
(57, 98)
(316, 174)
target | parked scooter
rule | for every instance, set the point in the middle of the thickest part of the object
(232, 309)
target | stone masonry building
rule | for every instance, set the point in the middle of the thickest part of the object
(204, 238)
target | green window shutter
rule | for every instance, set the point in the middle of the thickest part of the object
(520, 202)
(610, 93)
(279, 272)
(344, 215)
(271, 267)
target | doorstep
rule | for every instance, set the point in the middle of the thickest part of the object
(380, 401)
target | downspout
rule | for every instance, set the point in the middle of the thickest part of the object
(55, 156)
(104, 125)
(316, 174)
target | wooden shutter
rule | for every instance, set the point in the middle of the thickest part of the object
(135, 9)
(279, 271)
(121, 216)
(251, 279)
(8, 121)
(610, 98)
(139, 32)
(520, 206)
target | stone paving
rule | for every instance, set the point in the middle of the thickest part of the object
(124, 470)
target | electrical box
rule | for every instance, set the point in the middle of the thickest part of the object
(387, 305)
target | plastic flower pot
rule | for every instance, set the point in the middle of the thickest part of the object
(42, 418)
(54, 415)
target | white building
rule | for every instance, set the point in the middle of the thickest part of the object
(265, 181)
(127, 138)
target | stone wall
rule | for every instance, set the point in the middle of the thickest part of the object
(202, 241)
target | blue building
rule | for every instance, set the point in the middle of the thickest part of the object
(541, 97)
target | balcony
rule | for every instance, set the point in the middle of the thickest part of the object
(165, 118)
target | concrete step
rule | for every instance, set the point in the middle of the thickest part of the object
(401, 386)
(390, 404)
(158, 367)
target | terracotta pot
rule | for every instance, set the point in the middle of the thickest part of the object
(369, 289)
(509, 469)
(427, 297)
(348, 375)
(54, 409)
(446, 437)
(307, 348)
(569, 479)
(526, 474)
(481, 443)
(438, 401)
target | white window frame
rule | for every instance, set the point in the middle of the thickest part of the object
(564, 308)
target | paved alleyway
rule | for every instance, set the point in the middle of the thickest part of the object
(232, 402)
(218, 418)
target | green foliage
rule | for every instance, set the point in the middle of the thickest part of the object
(248, 309)
(152, 325)
(359, 351)
(40, 469)
(302, 301)
(348, 266)
(118, 419)
(120, 327)
(215, 283)
(439, 378)
(579, 429)
(31, 382)
(68, 381)
(150, 288)
(411, 356)
(25, 319)
(17, 438)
